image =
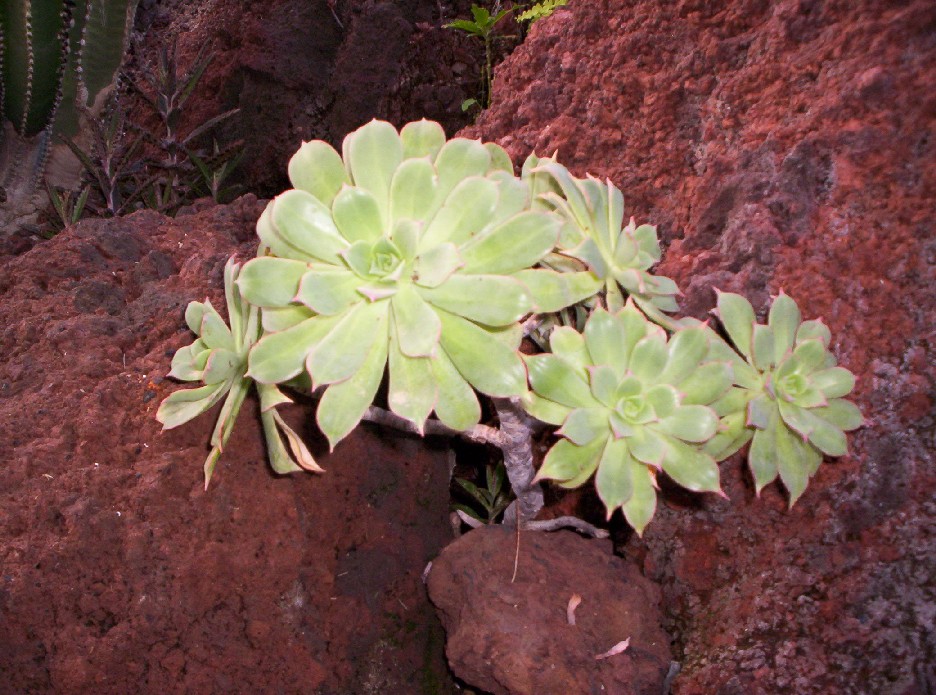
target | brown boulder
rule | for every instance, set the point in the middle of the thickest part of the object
(514, 638)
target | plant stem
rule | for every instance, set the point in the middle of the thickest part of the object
(516, 431)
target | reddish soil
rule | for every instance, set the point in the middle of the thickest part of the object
(119, 572)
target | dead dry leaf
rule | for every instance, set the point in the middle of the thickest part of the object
(570, 610)
(616, 649)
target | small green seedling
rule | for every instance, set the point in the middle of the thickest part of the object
(540, 10)
(492, 499)
(482, 26)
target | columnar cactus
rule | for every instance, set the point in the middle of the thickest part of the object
(54, 54)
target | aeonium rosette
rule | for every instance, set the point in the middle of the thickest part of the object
(631, 403)
(409, 253)
(788, 397)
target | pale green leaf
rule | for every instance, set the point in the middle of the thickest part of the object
(465, 212)
(418, 327)
(834, 383)
(457, 406)
(732, 434)
(436, 265)
(552, 291)
(647, 446)
(606, 340)
(485, 362)
(271, 396)
(412, 387)
(762, 457)
(492, 300)
(604, 384)
(460, 159)
(691, 423)
(181, 406)
(814, 329)
(222, 365)
(272, 241)
(317, 169)
(357, 215)
(784, 319)
(278, 357)
(280, 319)
(307, 225)
(649, 357)
(214, 331)
(553, 378)
(515, 245)
(691, 468)
(707, 383)
(569, 344)
(372, 154)
(343, 404)
(687, 348)
(613, 480)
(639, 509)
(347, 346)
(808, 356)
(500, 160)
(821, 433)
(794, 462)
(583, 425)
(567, 461)
(188, 362)
(663, 398)
(279, 459)
(762, 347)
(329, 291)
(737, 316)
(194, 313)
(544, 409)
(841, 413)
(413, 190)
(422, 138)
(271, 282)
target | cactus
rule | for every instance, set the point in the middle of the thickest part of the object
(59, 58)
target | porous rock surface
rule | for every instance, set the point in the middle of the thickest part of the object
(119, 573)
(302, 70)
(789, 145)
(514, 636)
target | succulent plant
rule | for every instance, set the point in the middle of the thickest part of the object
(218, 357)
(630, 404)
(621, 256)
(413, 253)
(788, 393)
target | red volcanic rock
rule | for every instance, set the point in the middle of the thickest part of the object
(777, 145)
(118, 572)
(514, 637)
(301, 71)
